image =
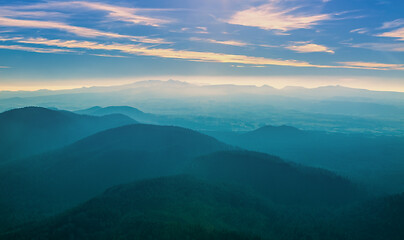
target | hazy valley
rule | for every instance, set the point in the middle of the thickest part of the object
(206, 171)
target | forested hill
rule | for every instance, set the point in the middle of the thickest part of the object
(31, 130)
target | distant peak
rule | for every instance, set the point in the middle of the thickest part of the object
(127, 108)
(30, 109)
(158, 82)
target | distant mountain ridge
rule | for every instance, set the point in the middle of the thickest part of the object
(351, 155)
(125, 110)
(32, 130)
(323, 91)
(358, 110)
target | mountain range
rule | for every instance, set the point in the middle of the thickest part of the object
(183, 207)
(233, 107)
(33, 130)
(99, 174)
(355, 156)
(89, 166)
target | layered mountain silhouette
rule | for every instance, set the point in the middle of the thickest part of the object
(353, 155)
(195, 122)
(275, 179)
(178, 207)
(183, 207)
(32, 130)
(53, 181)
(125, 110)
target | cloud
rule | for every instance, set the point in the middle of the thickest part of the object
(373, 65)
(201, 56)
(228, 42)
(108, 55)
(307, 47)
(10, 39)
(274, 16)
(198, 30)
(37, 50)
(79, 31)
(393, 24)
(359, 30)
(170, 53)
(4, 67)
(390, 47)
(32, 14)
(398, 33)
(117, 13)
(123, 13)
(202, 28)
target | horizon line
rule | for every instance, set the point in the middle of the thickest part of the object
(131, 82)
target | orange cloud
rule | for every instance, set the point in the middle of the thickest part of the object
(273, 16)
(398, 33)
(202, 56)
(228, 42)
(118, 13)
(307, 47)
(122, 13)
(170, 53)
(373, 65)
(37, 50)
(80, 31)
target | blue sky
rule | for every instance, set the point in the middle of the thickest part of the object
(57, 44)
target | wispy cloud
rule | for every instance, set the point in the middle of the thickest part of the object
(197, 30)
(4, 12)
(359, 30)
(226, 42)
(202, 56)
(124, 14)
(110, 56)
(4, 67)
(79, 31)
(114, 12)
(390, 47)
(398, 33)
(393, 24)
(171, 53)
(3, 39)
(275, 16)
(373, 65)
(308, 47)
(32, 49)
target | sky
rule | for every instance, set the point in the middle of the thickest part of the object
(310, 43)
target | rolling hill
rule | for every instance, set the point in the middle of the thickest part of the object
(89, 166)
(125, 110)
(32, 130)
(275, 179)
(184, 207)
(352, 155)
(178, 207)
